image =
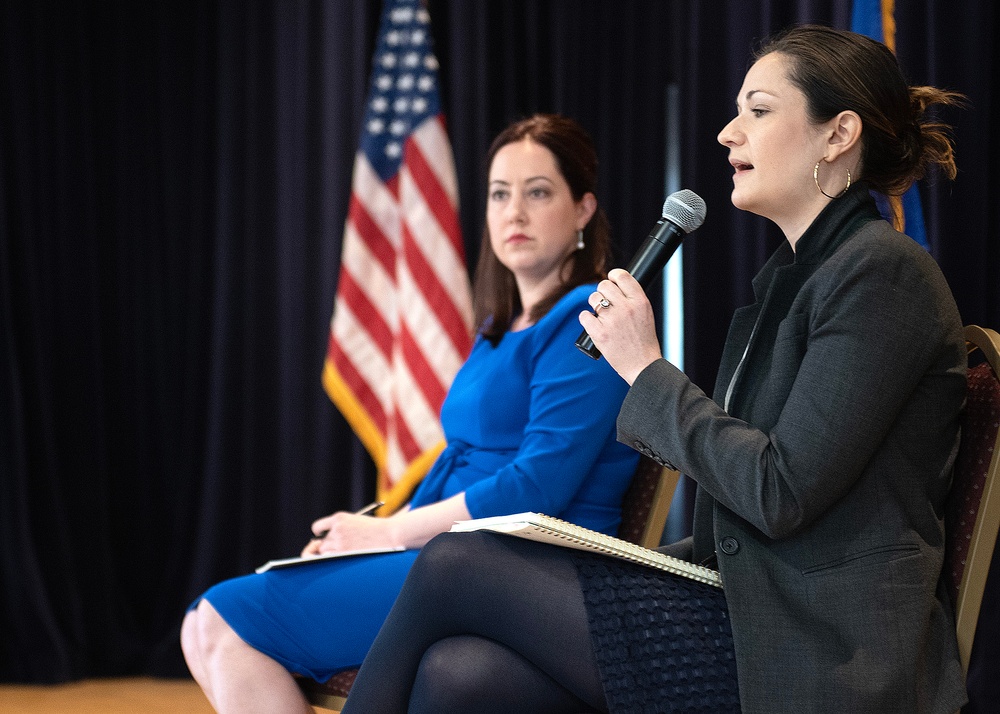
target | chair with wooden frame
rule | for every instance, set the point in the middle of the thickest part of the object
(972, 518)
(644, 515)
(646, 503)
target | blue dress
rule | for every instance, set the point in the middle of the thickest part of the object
(530, 426)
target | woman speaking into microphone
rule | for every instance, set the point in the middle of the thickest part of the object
(822, 463)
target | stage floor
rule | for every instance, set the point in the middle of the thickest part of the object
(106, 696)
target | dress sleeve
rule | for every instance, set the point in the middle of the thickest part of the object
(574, 401)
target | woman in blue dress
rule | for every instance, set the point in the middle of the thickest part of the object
(529, 422)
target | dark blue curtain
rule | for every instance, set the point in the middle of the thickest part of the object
(173, 185)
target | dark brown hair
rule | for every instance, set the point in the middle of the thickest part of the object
(496, 300)
(839, 70)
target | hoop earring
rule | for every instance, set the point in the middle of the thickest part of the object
(579, 240)
(816, 180)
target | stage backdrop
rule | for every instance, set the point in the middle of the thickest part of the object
(173, 187)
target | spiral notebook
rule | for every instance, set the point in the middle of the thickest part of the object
(546, 529)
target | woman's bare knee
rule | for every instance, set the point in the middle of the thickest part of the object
(190, 644)
(213, 633)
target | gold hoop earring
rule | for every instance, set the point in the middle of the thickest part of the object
(816, 180)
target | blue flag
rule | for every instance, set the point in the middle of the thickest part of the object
(874, 18)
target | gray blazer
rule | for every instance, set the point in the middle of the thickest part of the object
(821, 485)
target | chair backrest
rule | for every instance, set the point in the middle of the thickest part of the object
(646, 503)
(972, 518)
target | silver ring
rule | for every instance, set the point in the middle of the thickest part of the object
(603, 303)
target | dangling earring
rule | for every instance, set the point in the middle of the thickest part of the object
(816, 180)
(579, 240)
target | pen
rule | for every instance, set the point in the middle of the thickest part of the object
(370, 508)
(367, 510)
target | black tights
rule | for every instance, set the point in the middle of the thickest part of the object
(484, 623)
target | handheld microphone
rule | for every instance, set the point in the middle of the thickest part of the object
(683, 211)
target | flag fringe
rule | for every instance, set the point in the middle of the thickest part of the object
(889, 24)
(394, 496)
(399, 493)
(355, 414)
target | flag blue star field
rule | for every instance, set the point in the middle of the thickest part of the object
(876, 19)
(403, 91)
(402, 319)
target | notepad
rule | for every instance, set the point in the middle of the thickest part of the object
(309, 559)
(546, 529)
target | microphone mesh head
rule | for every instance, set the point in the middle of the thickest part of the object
(685, 209)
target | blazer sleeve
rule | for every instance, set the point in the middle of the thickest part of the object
(873, 331)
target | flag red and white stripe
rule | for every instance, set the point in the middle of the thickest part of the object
(402, 319)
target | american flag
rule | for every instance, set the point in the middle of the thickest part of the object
(402, 319)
